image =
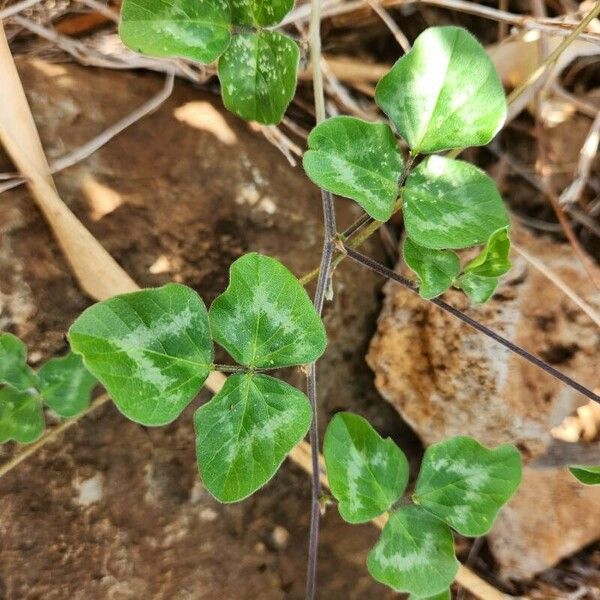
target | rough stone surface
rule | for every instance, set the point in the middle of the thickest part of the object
(446, 379)
(551, 516)
(113, 510)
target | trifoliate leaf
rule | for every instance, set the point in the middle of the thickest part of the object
(436, 269)
(21, 416)
(444, 93)
(587, 474)
(265, 317)
(493, 260)
(358, 160)
(258, 75)
(199, 30)
(151, 349)
(479, 289)
(367, 473)
(66, 385)
(414, 554)
(245, 432)
(451, 204)
(466, 484)
(14, 369)
(260, 13)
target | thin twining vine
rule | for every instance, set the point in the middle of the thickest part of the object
(153, 349)
(388, 273)
(323, 283)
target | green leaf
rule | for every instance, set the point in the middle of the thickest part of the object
(258, 75)
(589, 475)
(367, 474)
(479, 289)
(451, 204)
(245, 432)
(358, 160)
(186, 28)
(493, 260)
(150, 349)
(260, 12)
(444, 93)
(265, 317)
(415, 553)
(21, 416)
(436, 269)
(66, 385)
(445, 595)
(14, 369)
(466, 484)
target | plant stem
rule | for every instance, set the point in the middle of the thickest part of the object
(373, 265)
(324, 275)
(230, 368)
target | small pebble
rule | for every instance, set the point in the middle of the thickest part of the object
(280, 537)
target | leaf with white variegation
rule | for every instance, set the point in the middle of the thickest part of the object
(444, 93)
(66, 385)
(466, 484)
(261, 13)
(493, 260)
(587, 474)
(265, 317)
(436, 269)
(21, 416)
(478, 289)
(414, 554)
(367, 473)
(151, 349)
(258, 75)
(14, 369)
(451, 204)
(199, 30)
(358, 160)
(245, 432)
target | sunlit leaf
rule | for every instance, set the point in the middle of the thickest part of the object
(265, 317)
(415, 553)
(66, 385)
(358, 160)
(466, 484)
(199, 30)
(260, 12)
(587, 474)
(244, 433)
(436, 269)
(151, 350)
(451, 204)
(14, 369)
(367, 473)
(21, 416)
(479, 289)
(444, 93)
(258, 75)
(493, 260)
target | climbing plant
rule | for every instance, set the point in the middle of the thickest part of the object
(153, 349)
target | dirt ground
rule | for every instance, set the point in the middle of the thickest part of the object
(115, 510)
